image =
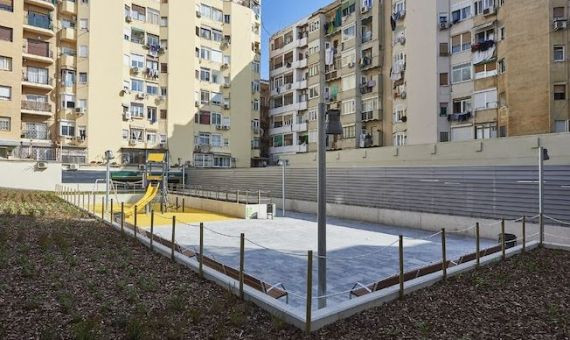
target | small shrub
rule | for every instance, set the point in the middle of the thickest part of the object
(175, 303)
(85, 330)
(135, 329)
(66, 301)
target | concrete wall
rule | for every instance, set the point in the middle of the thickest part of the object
(25, 175)
(244, 211)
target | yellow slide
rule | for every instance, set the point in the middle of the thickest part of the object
(149, 195)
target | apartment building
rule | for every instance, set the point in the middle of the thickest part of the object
(335, 55)
(130, 76)
(261, 127)
(488, 83)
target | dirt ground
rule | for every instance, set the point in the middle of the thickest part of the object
(65, 276)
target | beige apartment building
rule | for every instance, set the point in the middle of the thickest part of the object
(130, 76)
(441, 71)
(351, 77)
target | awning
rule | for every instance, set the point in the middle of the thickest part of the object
(485, 25)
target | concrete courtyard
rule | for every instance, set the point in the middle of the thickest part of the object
(357, 251)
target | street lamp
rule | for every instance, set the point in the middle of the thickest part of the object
(108, 157)
(542, 156)
(283, 164)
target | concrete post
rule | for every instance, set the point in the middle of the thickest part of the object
(135, 212)
(201, 263)
(122, 218)
(401, 257)
(241, 264)
(443, 254)
(503, 254)
(151, 229)
(477, 245)
(173, 237)
(309, 292)
(524, 234)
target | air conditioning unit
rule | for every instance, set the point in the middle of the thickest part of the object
(41, 165)
(403, 95)
(134, 70)
(80, 110)
(489, 11)
(560, 25)
(402, 40)
(140, 96)
(364, 9)
(226, 85)
(73, 167)
(225, 66)
(196, 103)
(198, 14)
(351, 64)
(128, 18)
(227, 106)
(132, 142)
(127, 115)
(443, 25)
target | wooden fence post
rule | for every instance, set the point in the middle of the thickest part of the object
(443, 254)
(241, 264)
(524, 234)
(478, 244)
(151, 229)
(173, 237)
(122, 217)
(503, 254)
(177, 206)
(183, 204)
(111, 211)
(401, 253)
(309, 292)
(103, 208)
(201, 263)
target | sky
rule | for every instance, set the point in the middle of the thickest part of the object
(278, 14)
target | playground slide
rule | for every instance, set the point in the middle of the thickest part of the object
(149, 195)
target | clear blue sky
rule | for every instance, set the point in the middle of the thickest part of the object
(277, 14)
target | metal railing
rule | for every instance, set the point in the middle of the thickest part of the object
(222, 194)
(36, 106)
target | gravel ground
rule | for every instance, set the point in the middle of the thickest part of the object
(73, 278)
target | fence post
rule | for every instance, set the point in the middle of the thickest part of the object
(241, 264)
(173, 237)
(309, 291)
(401, 253)
(111, 211)
(443, 254)
(258, 196)
(524, 234)
(477, 245)
(503, 256)
(83, 200)
(183, 204)
(237, 196)
(103, 208)
(541, 229)
(177, 203)
(151, 229)
(201, 264)
(88, 201)
(122, 217)
(135, 221)
(94, 211)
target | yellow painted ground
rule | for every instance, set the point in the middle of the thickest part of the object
(188, 216)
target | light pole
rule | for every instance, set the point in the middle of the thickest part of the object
(283, 164)
(542, 156)
(108, 157)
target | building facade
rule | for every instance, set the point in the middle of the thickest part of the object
(130, 76)
(429, 71)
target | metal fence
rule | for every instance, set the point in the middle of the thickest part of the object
(485, 191)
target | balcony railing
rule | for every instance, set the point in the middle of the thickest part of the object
(41, 21)
(36, 106)
(36, 50)
(37, 79)
(6, 6)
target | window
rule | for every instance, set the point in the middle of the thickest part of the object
(216, 118)
(461, 73)
(83, 51)
(5, 33)
(5, 63)
(485, 70)
(67, 129)
(398, 114)
(461, 14)
(152, 89)
(444, 79)
(151, 138)
(151, 114)
(68, 101)
(255, 105)
(153, 16)
(137, 85)
(68, 78)
(462, 105)
(216, 98)
(137, 110)
(485, 131)
(461, 42)
(313, 114)
(37, 75)
(227, 18)
(83, 77)
(348, 57)
(560, 92)
(482, 5)
(205, 33)
(400, 138)
(164, 21)
(348, 107)
(348, 131)
(82, 103)
(485, 99)
(503, 33)
(7, 5)
(216, 140)
(348, 33)
(349, 82)
(125, 134)
(137, 135)
(5, 92)
(83, 24)
(444, 49)
(163, 68)
(558, 53)
(443, 109)
(559, 126)
(138, 12)
(204, 97)
(203, 117)
(204, 74)
(558, 13)
(502, 65)
(314, 92)
(443, 136)
(5, 123)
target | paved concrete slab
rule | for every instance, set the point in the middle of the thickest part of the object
(357, 251)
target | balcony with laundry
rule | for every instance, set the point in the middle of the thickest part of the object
(369, 84)
(37, 50)
(333, 64)
(38, 23)
(367, 33)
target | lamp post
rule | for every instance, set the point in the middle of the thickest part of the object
(108, 157)
(542, 156)
(283, 164)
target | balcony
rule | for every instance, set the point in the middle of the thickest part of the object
(40, 24)
(67, 34)
(36, 108)
(288, 149)
(47, 4)
(371, 115)
(67, 7)
(289, 108)
(39, 54)
(67, 62)
(35, 131)
(37, 81)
